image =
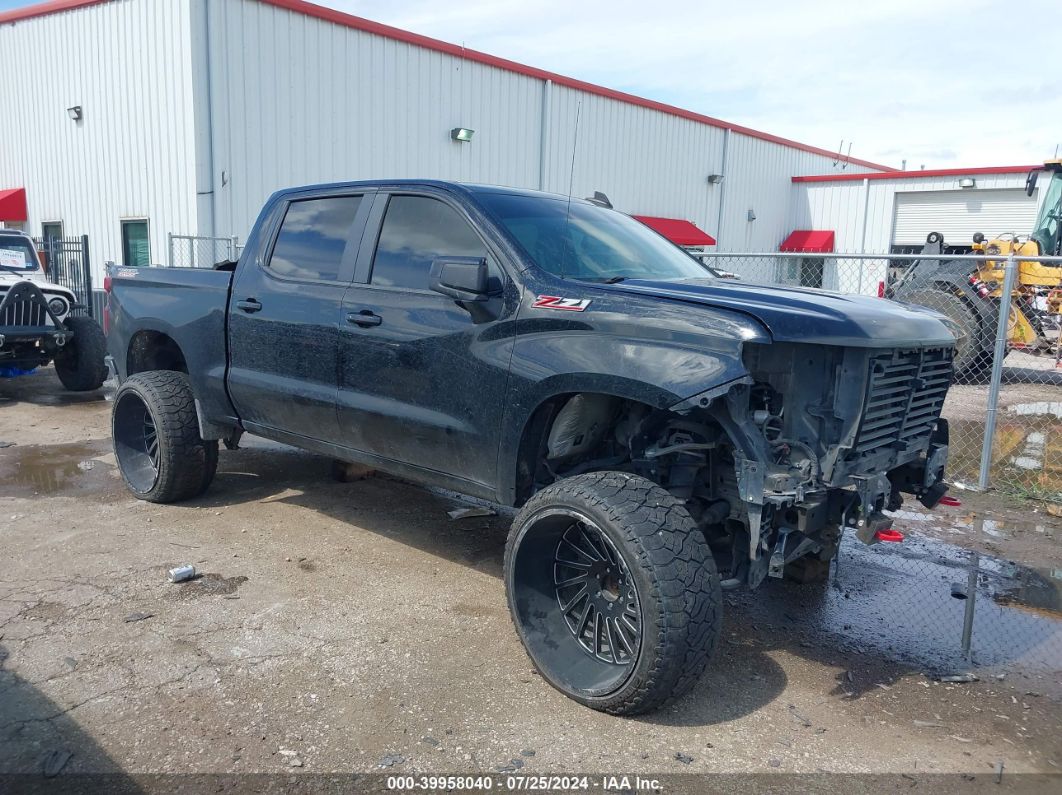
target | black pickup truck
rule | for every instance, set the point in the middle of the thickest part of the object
(666, 434)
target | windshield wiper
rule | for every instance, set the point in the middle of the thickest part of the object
(9, 269)
(615, 279)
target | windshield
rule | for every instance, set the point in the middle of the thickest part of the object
(594, 244)
(17, 254)
(1046, 230)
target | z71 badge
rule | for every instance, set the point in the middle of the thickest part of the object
(557, 302)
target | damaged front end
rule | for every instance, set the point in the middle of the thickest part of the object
(815, 440)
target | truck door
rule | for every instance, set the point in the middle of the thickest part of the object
(286, 312)
(422, 376)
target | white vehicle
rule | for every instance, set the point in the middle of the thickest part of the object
(36, 324)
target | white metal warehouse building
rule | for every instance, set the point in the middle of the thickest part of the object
(141, 118)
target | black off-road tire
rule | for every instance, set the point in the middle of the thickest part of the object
(668, 562)
(80, 364)
(160, 453)
(973, 353)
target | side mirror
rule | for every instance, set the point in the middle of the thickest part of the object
(461, 278)
(1030, 182)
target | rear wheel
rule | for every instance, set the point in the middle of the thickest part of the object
(80, 364)
(613, 591)
(160, 453)
(973, 351)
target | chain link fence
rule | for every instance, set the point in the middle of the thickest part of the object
(197, 251)
(1005, 407)
(977, 582)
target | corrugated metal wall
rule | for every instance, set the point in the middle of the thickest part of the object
(296, 99)
(196, 110)
(840, 205)
(959, 214)
(862, 213)
(127, 64)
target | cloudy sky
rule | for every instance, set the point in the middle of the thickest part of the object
(944, 83)
(940, 83)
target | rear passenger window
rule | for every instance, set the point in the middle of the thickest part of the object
(417, 230)
(313, 237)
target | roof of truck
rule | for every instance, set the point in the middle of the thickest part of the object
(461, 187)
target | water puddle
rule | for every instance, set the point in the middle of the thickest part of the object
(61, 398)
(27, 471)
(973, 527)
(43, 388)
(896, 601)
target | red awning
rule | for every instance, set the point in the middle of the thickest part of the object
(679, 232)
(13, 204)
(809, 240)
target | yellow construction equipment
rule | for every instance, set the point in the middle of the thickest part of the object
(969, 292)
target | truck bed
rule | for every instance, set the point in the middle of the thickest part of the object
(187, 304)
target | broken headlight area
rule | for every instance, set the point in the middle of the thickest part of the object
(817, 440)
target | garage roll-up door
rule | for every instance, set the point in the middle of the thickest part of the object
(957, 214)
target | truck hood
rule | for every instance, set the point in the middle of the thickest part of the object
(793, 314)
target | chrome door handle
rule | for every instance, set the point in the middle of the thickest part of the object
(249, 305)
(364, 318)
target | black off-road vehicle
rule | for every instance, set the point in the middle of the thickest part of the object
(656, 425)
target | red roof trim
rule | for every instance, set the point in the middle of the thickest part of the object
(44, 9)
(678, 231)
(13, 205)
(939, 172)
(809, 240)
(368, 26)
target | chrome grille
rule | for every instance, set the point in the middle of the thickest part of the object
(905, 394)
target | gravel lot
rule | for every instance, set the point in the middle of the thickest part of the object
(345, 627)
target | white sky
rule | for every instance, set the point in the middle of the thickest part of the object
(944, 83)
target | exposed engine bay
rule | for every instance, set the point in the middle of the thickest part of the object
(774, 466)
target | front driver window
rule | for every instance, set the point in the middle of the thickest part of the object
(417, 230)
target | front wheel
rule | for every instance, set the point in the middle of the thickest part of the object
(160, 453)
(613, 591)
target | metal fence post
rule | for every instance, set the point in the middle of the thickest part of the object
(169, 243)
(86, 264)
(971, 603)
(1000, 351)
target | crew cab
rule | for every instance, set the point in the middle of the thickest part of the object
(37, 321)
(664, 432)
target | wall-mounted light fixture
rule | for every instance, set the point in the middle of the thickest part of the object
(715, 179)
(462, 135)
(967, 182)
(752, 214)
(74, 113)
